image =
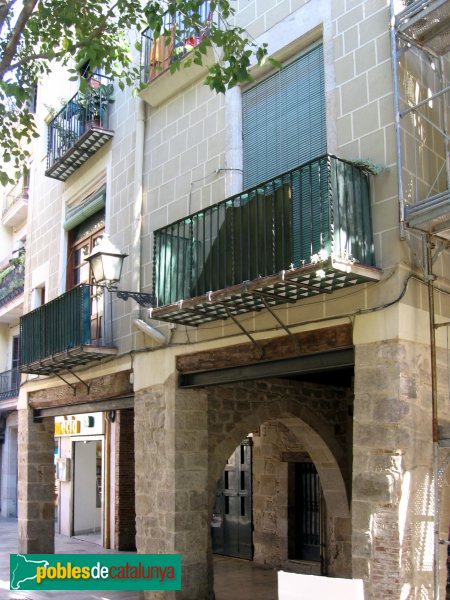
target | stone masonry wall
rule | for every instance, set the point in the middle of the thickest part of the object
(36, 484)
(393, 503)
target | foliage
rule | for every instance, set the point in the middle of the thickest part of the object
(12, 276)
(367, 164)
(94, 101)
(40, 33)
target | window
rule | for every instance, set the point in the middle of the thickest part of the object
(284, 120)
(82, 240)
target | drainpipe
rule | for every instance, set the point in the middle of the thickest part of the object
(106, 485)
(394, 59)
(156, 336)
(138, 202)
(434, 411)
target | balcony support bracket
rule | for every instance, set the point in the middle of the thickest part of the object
(73, 385)
(285, 327)
(259, 348)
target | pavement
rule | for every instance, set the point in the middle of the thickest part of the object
(234, 579)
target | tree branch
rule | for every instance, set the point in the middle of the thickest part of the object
(63, 52)
(5, 8)
(11, 46)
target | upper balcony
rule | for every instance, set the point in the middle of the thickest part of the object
(177, 40)
(62, 334)
(12, 280)
(79, 129)
(15, 206)
(303, 233)
(9, 385)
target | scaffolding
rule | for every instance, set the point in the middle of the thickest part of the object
(420, 43)
(421, 69)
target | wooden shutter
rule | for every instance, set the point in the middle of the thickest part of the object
(284, 121)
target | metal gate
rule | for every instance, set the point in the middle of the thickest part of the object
(304, 512)
(231, 527)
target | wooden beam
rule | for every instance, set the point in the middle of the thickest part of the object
(318, 340)
(100, 388)
(89, 407)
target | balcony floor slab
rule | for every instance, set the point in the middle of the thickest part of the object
(287, 286)
(74, 357)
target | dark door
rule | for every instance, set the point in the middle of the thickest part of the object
(231, 527)
(304, 501)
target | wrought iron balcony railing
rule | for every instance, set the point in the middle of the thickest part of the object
(61, 334)
(9, 384)
(305, 232)
(79, 129)
(176, 40)
(12, 280)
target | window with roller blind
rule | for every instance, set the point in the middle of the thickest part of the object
(284, 121)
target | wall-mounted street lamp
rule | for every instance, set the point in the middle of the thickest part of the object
(106, 262)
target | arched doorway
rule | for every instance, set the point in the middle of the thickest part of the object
(294, 437)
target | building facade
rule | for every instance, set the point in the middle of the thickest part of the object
(13, 231)
(271, 379)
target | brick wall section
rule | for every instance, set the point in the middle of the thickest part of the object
(125, 513)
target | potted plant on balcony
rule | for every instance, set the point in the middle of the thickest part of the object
(94, 102)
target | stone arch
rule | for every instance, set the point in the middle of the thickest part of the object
(243, 408)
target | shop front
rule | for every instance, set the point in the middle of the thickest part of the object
(81, 472)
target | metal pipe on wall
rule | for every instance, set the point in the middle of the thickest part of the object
(434, 412)
(106, 484)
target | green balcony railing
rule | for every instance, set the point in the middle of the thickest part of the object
(9, 384)
(57, 326)
(64, 332)
(12, 280)
(319, 209)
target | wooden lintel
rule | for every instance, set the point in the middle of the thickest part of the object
(100, 388)
(317, 340)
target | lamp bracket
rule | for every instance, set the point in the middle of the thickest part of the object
(147, 300)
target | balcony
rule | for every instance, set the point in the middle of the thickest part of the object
(177, 40)
(303, 233)
(9, 384)
(15, 207)
(79, 129)
(60, 334)
(12, 280)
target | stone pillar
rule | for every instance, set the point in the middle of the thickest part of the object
(172, 511)
(393, 503)
(36, 487)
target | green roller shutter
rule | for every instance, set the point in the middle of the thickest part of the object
(284, 121)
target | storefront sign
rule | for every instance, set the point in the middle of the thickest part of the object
(88, 424)
(67, 427)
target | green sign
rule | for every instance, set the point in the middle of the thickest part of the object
(95, 571)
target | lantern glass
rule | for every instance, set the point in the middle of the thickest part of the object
(106, 262)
